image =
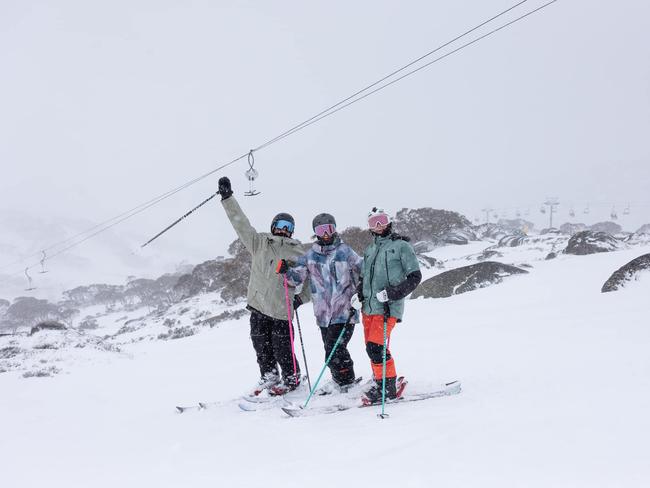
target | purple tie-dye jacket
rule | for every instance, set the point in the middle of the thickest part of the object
(333, 273)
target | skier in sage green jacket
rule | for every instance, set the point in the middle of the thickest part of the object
(266, 294)
(390, 272)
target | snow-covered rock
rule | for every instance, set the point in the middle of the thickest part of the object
(644, 229)
(627, 273)
(464, 279)
(608, 227)
(589, 242)
(512, 241)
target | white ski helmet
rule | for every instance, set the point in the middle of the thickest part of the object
(378, 216)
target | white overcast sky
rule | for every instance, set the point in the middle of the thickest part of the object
(106, 104)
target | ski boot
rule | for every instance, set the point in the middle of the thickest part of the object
(394, 390)
(289, 383)
(266, 382)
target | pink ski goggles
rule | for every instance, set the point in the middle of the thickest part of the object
(323, 229)
(378, 220)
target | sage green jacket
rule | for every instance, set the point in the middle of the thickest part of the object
(266, 288)
(386, 262)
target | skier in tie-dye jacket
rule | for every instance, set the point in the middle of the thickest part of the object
(333, 270)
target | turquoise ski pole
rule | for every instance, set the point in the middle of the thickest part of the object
(329, 358)
(336, 344)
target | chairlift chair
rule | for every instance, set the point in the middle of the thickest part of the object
(614, 215)
(30, 286)
(626, 211)
(43, 270)
(251, 176)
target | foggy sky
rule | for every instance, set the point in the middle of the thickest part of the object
(108, 104)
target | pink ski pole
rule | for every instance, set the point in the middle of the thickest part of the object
(293, 351)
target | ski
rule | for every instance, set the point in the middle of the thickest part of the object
(180, 409)
(452, 388)
(248, 406)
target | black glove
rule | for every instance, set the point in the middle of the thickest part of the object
(283, 267)
(225, 190)
(297, 301)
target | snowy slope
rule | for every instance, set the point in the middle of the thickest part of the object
(555, 393)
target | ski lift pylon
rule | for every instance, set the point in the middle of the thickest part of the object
(251, 176)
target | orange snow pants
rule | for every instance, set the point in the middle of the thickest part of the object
(373, 332)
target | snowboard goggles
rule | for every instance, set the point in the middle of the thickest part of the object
(378, 220)
(284, 224)
(323, 229)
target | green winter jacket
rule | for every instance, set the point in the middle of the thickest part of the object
(266, 288)
(386, 263)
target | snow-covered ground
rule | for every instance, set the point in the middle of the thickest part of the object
(556, 392)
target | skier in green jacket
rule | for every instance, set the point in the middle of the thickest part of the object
(390, 272)
(266, 298)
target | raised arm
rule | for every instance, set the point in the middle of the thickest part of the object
(246, 232)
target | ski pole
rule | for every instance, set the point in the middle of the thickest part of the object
(293, 352)
(178, 220)
(329, 358)
(384, 415)
(302, 345)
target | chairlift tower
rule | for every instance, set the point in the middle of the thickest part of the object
(487, 211)
(551, 203)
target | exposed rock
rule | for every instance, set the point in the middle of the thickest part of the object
(89, 323)
(570, 228)
(421, 247)
(550, 255)
(588, 242)
(644, 229)
(427, 261)
(625, 274)
(608, 227)
(512, 241)
(550, 230)
(47, 325)
(488, 254)
(467, 278)
(638, 238)
(454, 238)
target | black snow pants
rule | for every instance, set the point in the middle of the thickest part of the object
(272, 344)
(341, 365)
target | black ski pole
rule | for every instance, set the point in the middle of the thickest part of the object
(302, 346)
(383, 414)
(177, 221)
